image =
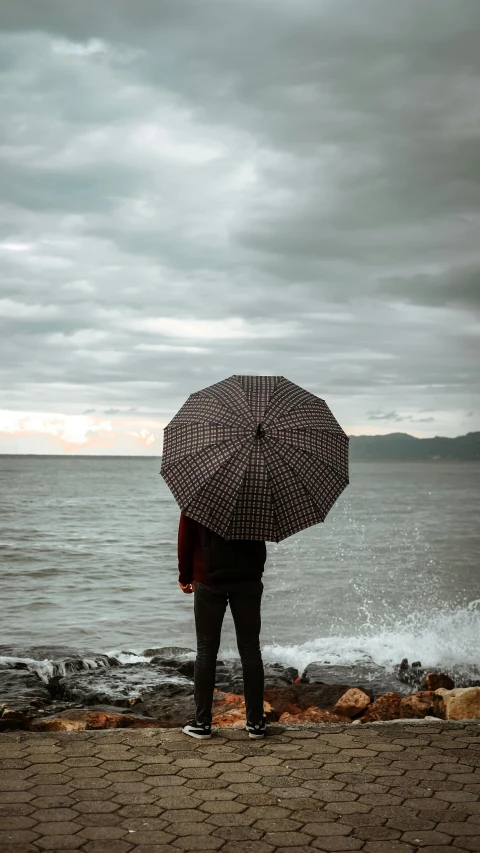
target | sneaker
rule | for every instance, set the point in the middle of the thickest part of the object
(256, 730)
(198, 730)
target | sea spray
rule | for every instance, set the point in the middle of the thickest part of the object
(50, 667)
(445, 638)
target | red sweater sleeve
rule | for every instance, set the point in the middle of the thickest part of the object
(187, 534)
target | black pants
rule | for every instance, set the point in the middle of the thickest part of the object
(210, 605)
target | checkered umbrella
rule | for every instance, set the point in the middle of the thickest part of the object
(255, 457)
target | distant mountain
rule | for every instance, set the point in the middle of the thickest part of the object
(404, 447)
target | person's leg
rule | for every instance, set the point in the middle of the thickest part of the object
(209, 606)
(245, 603)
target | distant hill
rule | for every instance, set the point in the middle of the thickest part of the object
(404, 447)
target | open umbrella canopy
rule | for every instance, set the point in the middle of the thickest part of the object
(255, 457)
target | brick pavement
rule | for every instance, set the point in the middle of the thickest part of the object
(390, 788)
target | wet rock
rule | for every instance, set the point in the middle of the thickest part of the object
(17, 664)
(366, 675)
(300, 696)
(228, 709)
(81, 719)
(21, 694)
(417, 705)
(416, 676)
(166, 652)
(229, 677)
(464, 676)
(461, 703)
(386, 707)
(313, 715)
(55, 706)
(169, 704)
(352, 703)
(125, 686)
(223, 678)
(182, 667)
(276, 675)
(41, 682)
(51, 661)
(434, 680)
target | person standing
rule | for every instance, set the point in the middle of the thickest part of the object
(223, 572)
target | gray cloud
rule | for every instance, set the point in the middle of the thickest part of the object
(298, 184)
(455, 287)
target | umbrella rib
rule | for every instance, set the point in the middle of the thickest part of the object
(299, 478)
(179, 424)
(237, 421)
(297, 408)
(300, 483)
(269, 479)
(235, 501)
(276, 524)
(308, 453)
(277, 424)
(228, 404)
(296, 405)
(306, 429)
(201, 449)
(217, 471)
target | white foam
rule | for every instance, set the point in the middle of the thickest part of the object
(47, 668)
(128, 657)
(443, 638)
(133, 656)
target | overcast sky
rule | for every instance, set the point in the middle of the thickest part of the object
(195, 188)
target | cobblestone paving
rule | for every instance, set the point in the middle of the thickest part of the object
(394, 788)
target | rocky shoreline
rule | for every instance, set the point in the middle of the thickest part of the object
(61, 689)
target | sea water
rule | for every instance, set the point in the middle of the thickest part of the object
(88, 561)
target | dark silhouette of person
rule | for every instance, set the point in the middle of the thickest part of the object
(223, 572)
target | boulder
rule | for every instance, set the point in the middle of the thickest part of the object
(124, 686)
(461, 703)
(353, 702)
(386, 707)
(434, 680)
(229, 676)
(365, 675)
(417, 705)
(22, 693)
(166, 652)
(56, 724)
(422, 678)
(223, 678)
(313, 715)
(228, 709)
(169, 704)
(50, 661)
(182, 667)
(82, 719)
(302, 696)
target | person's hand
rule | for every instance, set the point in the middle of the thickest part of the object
(187, 588)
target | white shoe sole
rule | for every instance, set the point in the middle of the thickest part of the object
(256, 737)
(199, 737)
